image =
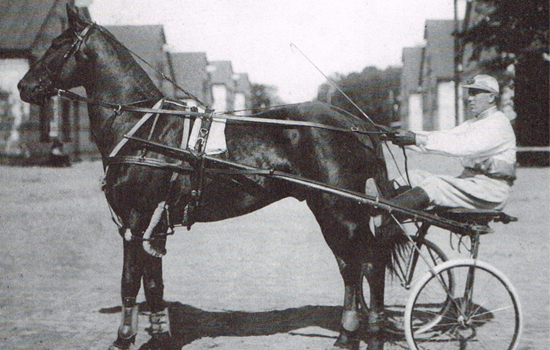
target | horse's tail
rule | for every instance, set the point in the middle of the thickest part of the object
(391, 238)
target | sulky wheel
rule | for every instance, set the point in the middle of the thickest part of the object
(482, 311)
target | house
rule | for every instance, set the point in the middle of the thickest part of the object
(438, 77)
(148, 44)
(410, 110)
(27, 28)
(223, 85)
(243, 94)
(191, 74)
(429, 99)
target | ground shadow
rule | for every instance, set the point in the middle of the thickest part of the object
(189, 323)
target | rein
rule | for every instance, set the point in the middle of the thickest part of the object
(119, 108)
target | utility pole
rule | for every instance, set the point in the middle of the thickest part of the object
(456, 64)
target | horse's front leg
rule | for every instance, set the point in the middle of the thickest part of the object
(132, 272)
(154, 294)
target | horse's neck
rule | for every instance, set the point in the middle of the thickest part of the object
(120, 83)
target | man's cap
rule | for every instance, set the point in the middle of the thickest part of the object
(483, 82)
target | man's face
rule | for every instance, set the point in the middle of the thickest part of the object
(480, 100)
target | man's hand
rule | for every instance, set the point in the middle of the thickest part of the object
(402, 138)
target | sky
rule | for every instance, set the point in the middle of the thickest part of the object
(338, 37)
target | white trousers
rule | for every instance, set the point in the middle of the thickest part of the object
(471, 191)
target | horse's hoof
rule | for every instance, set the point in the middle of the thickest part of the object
(122, 344)
(347, 340)
(159, 341)
(376, 322)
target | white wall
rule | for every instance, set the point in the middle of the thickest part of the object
(12, 70)
(446, 106)
(415, 112)
(219, 93)
(240, 103)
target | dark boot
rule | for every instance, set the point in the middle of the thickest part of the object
(415, 198)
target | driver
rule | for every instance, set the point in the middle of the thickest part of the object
(486, 146)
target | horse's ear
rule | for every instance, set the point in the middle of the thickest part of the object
(74, 18)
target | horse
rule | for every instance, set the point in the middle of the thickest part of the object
(87, 55)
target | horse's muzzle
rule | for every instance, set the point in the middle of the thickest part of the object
(34, 93)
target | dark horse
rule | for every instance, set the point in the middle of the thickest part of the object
(87, 55)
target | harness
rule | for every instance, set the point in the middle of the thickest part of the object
(197, 172)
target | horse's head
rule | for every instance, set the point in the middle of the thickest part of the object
(60, 66)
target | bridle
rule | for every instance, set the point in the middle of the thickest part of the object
(53, 74)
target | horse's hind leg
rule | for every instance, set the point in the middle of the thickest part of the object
(347, 240)
(132, 271)
(350, 322)
(376, 274)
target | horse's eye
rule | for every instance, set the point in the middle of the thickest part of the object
(56, 44)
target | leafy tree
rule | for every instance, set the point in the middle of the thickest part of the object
(511, 26)
(263, 96)
(372, 90)
(519, 31)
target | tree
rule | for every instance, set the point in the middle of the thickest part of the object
(519, 31)
(512, 26)
(373, 90)
(263, 96)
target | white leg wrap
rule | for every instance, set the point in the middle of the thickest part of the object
(160, 322)
(350, 320)
(129, 324)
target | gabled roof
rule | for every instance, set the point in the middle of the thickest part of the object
(222, 73)
(147, 42)
(190, 72)
(440, 47)
(412, 63)
(243, 83)
(21, 22)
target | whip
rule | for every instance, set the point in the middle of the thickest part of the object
(382, 127)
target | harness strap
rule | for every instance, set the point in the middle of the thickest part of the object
(113, 154)
(135, 128)
(198, 177)
(152, 162)
(183, 145)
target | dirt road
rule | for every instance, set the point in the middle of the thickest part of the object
(263, 281)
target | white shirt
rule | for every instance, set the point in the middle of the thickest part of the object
(486, 143)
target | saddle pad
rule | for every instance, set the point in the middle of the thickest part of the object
(216, 138)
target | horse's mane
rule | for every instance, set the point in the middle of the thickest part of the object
(129, 63)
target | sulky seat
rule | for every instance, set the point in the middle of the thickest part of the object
(480, 217)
